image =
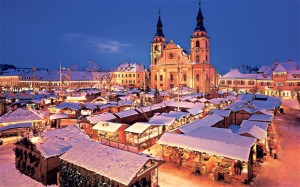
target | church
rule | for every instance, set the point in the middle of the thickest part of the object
(172, 66)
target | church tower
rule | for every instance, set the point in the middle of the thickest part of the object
(200, 51)
(158, 44)
(157, 48)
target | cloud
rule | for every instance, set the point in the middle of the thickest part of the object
(99, 44)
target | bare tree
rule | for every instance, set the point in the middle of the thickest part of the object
(248, 68)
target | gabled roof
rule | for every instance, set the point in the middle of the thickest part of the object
(138, 127)
(101, 117)
(254, 131)
(279, 68)
(20, 115)
(107, 126)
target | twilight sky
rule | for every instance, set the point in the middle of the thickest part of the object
(43, 33)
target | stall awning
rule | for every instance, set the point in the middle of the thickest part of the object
(107, 126)
(261, 117)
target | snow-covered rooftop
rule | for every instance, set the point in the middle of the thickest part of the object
(15, 126)
(101, 117)
(208, 121)
(56, 142)
(20, 115)
(218, 148)
(254, 131)
(261, 124)
(107, 126)
(162, 120)
(261, 117)
(115, 164)
(126, 113)
(222, 113)
(138, 127)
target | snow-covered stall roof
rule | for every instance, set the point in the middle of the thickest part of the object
(222, 113)
(222, 135)
(56, 142)
(117, 165)
(59, 116)
(204, 122)
(254, 131)
(175, 114)
(261, 117)
(20, 115)
(91, 106)
(261, 124)
(152, 107)
(218, 148)
(264, 104)
(125, 102)
(246, 97)
(73, 106)
(276, 100)
(195, 111)
(107, 126)
(138, 127)
(15, 126)
(184, 104)
(101, 117)
(162, 120)
(126, 113)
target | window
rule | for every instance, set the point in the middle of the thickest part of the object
(138, 75)
(171, 77)
(206, 58)
(250, 82)
(262, 83)
(161, 77)
(171, 55)
(155, 77)
(205, 44)
(139, 81)
(197, 58)
(197, 77)
(197, 43)
(291, 84)
(129, 75)
(268, 84)
(133, 75)
(282, 84)
(229, 82)
(184, 77)
(125, 75)
(222, 82)
(155, 61)
(298, 83)
(122, 75)
(156, 48)
(242, 82)
(276, 84)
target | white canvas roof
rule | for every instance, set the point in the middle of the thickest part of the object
(206, 146)
(117, 165)
(101, 117)
(138, 127)
(261, 117)
(107, 126)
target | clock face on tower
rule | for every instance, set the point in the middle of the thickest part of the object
(197, 49)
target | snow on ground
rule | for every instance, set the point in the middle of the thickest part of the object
(9, 176)
(291, 103)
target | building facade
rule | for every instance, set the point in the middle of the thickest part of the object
(172, 66)
(130, 75)
(279, 79)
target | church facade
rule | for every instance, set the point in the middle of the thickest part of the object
(172, 66)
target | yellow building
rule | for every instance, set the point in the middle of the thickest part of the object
(171, 65)
(129, 75)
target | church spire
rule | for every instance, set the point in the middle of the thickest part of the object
(200, 26)
(159, 31)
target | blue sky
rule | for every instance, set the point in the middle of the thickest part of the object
(43, 33)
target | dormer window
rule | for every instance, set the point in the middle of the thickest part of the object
(265, 75)
(295, 75)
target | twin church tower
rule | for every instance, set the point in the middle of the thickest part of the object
(171, 65)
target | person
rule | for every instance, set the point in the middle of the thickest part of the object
(235, 168)
(271, 148)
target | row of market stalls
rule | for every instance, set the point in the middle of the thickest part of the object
(68, 157)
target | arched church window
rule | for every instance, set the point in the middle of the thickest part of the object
(155, 61)
(156, 48)
(171, 77)
(197, 58)
(197, 77)
(197, 43)
(184, 77)
(161, 77)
